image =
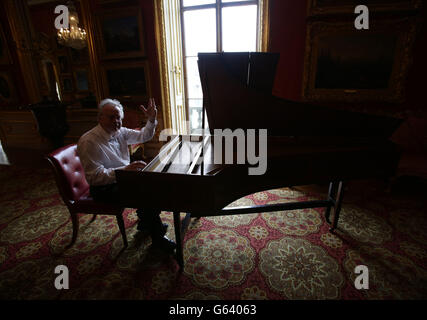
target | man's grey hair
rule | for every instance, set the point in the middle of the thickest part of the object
(113, 102)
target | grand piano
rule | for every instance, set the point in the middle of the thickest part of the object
(305, 144)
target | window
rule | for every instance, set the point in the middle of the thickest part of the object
(193, 26)
(213, 26)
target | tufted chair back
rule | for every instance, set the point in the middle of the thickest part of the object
(74, 189)
(69, 173)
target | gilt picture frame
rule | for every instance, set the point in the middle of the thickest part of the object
(328, 7)
(346, 65)
(127, 80)
(121, 34)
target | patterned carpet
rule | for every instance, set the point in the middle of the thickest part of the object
(280, 255)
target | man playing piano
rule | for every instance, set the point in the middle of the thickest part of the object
(104, 149)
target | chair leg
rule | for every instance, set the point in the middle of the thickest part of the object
(93, 219)
(75, 222)
(121, 224)
(331, 197)
(178, 239)
(338, 203)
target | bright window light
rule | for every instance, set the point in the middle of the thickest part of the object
(239, 35)
(187, 3)
(199, 31)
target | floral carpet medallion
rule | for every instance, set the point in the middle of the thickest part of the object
(218, 258)
(363, 225)
(135, 253)
(235, 220)
(293, 222)
(391, 276)
(410, 221)
(35, 224)
(254, 293)
(413, 250)
(3, 254)
(197, 295)
(286, 193)
(300, 270)
(331, 240)
(32, 279)
(12, 209)
(111, 286)
(90, 236)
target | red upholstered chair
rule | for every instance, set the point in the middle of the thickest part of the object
(74, 190)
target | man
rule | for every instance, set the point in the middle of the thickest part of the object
(104, 149)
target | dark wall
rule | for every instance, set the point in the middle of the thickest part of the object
(416, 101)
(13, 68)
(147, 9)
(287, 36)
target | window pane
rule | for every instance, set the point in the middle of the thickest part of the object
(239, 34)
(187, 3)
(195, 108)
(232, 0)
(199, 31)
(193, 79)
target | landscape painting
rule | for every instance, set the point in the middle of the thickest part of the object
(343, 64)
(128, 80)
(121, 35)
(355, 62)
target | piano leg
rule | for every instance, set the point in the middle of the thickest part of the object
(177, 225)
(337, 206)
(331, 199)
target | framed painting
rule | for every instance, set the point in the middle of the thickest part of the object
(121, 34)
(130, 79)
(344, 64)
(7, 89)
(326, 7)
(81, 79)
(67, 84)
(4, 51)
(79, 57)
(64, 64)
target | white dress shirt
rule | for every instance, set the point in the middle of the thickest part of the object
(101, 153)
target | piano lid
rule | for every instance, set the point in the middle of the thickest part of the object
(237, 93)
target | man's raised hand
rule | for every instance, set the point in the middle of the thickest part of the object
(151, 111)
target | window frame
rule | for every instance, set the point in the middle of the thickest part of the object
(219, 5)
